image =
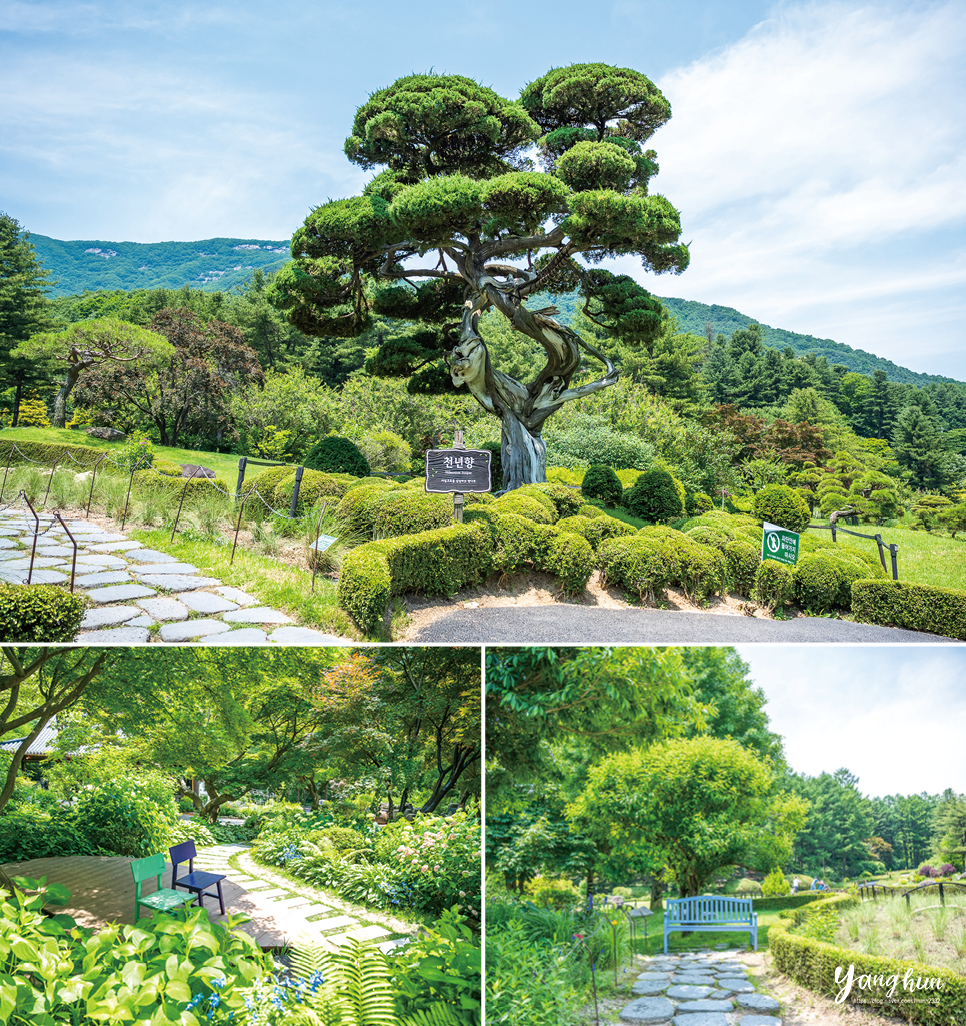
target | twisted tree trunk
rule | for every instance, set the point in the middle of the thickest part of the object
(521, 409)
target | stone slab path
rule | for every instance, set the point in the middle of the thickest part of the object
(141, 595)
(700, 988)
(102, 892)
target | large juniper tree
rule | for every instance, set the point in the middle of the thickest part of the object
(459, 221)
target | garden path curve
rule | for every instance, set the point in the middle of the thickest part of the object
(281, 913)
(141, 595)
(700, 988)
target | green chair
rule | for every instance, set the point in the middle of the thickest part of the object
(164, 899)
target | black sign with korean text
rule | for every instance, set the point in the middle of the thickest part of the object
(458, 470)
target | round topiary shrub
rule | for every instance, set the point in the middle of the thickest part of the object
(781, 505)
(819, 581)
(399, 511)
(566, 501)
(708, 536)
(538, 494)
(337, 456)
(525, 506)
(588, 509)
(600, 482)
(656, 496)
(743, 560)
(355, 506)
(774, 584)
(572, 559)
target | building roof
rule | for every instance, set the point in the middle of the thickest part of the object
(42, 744)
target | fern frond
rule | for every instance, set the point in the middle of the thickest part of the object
(437, 1014)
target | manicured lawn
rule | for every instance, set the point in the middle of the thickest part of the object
(223, 464)
(676, 942)
(924, 558)
(275, 583)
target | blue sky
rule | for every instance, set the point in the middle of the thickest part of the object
(816, 150)
(894, 716)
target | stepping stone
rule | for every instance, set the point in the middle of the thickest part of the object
(261, 614)
(164, 608)
(118, 546)
(686, 979)
(649, 987)
(6, 543)
(689, 993)
(191, 629)
(386, 946)
(103, 577)
(23, 563)
(648, 1009)
(117, 636)
(55, 550)
(152, 556)
(164, 568)
(120, 593)
(8, 532)
(706, 1006)
(655, 976)
(701, 1019)
(735, 985)
(41, 576)
(177, 582)
(141, 621)
(234, 595)
(110, 615)
(759, 1020)
(289, 902)
(362, 934)
(205, 602)
(758, 1002)
(246, 636)
(333, 923)
(101, 559)
(104, 538)
(304, 636)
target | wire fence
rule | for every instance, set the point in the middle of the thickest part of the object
(145, 464)
(877, 538)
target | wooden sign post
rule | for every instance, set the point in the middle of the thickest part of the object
(458, 470)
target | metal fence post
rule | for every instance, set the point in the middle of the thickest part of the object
(894, 552)
(242, 463)
(295, 491)
(878, 541)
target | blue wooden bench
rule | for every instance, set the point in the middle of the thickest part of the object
(709, 913)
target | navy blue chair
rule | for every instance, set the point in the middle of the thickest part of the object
(195, 882)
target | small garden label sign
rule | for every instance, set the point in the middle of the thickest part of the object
(458, 470)
(779, 544)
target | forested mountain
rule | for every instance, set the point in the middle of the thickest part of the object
(219, 265)
(211, 264)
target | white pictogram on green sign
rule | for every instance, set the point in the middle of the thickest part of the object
(779, 544)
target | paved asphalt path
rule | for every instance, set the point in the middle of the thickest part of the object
(511, 625)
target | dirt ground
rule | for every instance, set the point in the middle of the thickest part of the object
(539, 589)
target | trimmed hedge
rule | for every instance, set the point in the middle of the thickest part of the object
(743, 561)
(566, 501)
(174, 486)
(571, 558)
(541, 512)
(356, 505)
(774, 584)
(39, 612)
(595, 529)
(636, 564)
(813, 964)
(403, 511)
(47, 452)
(787, 901)
(914, 607)
(434, 562)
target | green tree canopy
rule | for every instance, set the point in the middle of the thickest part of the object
(458, 183)
(694, 805)
(93, 345)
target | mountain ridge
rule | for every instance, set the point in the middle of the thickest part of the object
(221, 264)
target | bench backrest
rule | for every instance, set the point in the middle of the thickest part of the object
(709, 908)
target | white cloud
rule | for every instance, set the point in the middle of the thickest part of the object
(819, 165)
(894, 716)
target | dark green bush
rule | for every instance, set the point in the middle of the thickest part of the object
(590, 443)
(39, 612)
(496, 464)
(538, 493)
(405, 511)
(313, 486)
(35, 833)
(124, 817)
(337, 455)
(637, 564)
(436, 562)
(656, 496)
(600, 482)
(782, 505)
(595, 529)
(49, 453)
(193, 488)
(356, 506)
(743, 561)
(707, 536)
(697, 503)
(541, 512)
(566, 500)
(774, 584)
(787, 901)
(571, 558)
(914, 607)
(823, 580)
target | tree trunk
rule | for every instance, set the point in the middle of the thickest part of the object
(523, 452)
(657, 895)
(16, 400)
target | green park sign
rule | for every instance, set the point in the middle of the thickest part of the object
(779, 544)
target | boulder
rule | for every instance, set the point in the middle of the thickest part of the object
(106, 433)
(193, 470)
